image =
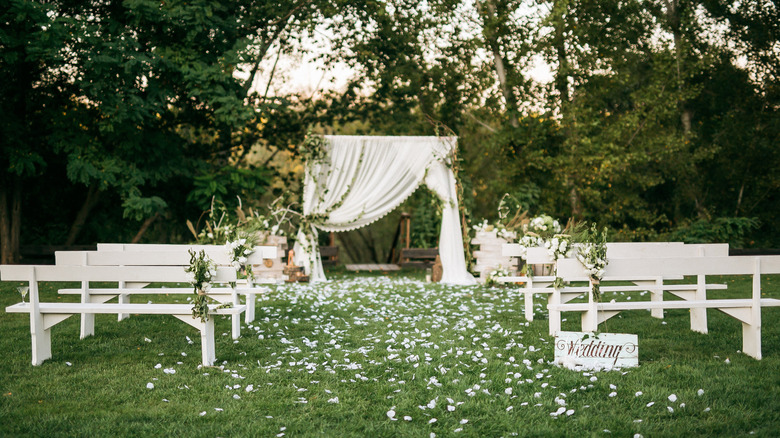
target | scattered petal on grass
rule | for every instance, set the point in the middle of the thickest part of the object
(650, 404)
(68, 364)
(464, 421)
(558, 412)
(150, 385)
(612, 394)
(700, 392)
(432, 420)
(202, 413)
(570, 412)
(334, 400)
(671, 409)
(638, 393)
(727, 361)
(672, 398)
(391, 415)
(450, 408)
(407, 418)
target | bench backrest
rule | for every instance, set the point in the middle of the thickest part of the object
(266, 251)
(618, 250)
(619, 268)
(149, 274)
(142, 274)
(146, 258)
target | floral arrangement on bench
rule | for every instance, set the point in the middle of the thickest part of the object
(202, 269)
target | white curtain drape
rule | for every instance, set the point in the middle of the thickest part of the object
(363, 178)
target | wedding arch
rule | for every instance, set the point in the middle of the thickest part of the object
(352, 181)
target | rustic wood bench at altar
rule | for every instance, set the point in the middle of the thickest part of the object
(655, 285)
(164, 255)
(329, 255)
(418, 257)
(745, 310)
(45, 315)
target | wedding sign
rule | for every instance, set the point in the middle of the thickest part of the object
(596, 351)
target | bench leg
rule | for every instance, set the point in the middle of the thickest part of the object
(236, 319)
(250, 308)
(590, 318)
(208, 349)
(206, 329)
(41, 339)
(590, 322)
(87, 325)
(123, 299)
(529, 305)
(554, 315)
(699, 315)
(657, 295)
(87, 319)
(751, 339)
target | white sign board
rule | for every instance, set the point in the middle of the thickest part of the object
(596, 351)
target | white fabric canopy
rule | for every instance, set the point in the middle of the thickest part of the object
(363, 178)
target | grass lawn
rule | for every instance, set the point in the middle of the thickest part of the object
(386, 356)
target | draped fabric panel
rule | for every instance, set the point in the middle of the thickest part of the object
(364, 178)
(442, 182)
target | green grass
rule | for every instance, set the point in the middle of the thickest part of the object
(376, 342)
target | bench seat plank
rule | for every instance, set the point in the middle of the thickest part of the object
(115, 308)
(681, 304)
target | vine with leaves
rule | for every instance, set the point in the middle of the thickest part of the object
(202, 269)
(592, 253)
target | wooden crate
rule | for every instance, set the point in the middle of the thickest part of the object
(272, 269)
(488, 257)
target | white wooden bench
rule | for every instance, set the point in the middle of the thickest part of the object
(217, 253)
(177, 256)
(615, 250)
(45, 315)
(746, 310)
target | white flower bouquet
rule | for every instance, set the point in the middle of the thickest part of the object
(592, 253)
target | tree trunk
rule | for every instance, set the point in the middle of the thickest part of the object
(574, 200)
(10, 222)
(491, 38)
(16, 220)
(93, 195)
(5, 227)
(145, 226)
(673, 15)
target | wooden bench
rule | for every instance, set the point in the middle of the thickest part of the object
(418, 257)
(329, 255)
(745, 310)
(45, 315)
(165, 255)
(615, 250)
